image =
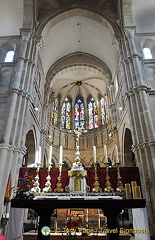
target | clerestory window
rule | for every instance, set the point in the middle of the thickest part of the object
(66, 114)
(9, 56)
(93, 114)
(147, 53)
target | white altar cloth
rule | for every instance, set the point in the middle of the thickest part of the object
(140, 221)
(15, 224)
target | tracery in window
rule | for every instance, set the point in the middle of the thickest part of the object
(104, 110)
(9, 56)
(66, 114)
(79, 114)
(55, 112)
(93, 114)
(147, 53)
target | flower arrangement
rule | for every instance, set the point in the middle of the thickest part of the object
(74, 222)
(24, 188)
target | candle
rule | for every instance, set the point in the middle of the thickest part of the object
(133, 185)
(105, 154)
(94, 153)
(36, 156)
(60, 157)
(137, 192)
(39, 154)
(128, 191)
(117, 158)
(50, 155)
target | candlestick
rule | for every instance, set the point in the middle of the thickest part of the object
(47, 187)
(133, 185)
(120, 187)
(61, 151)
(117, 158)
(108, 187)
(128, 191)
(96, 183)
(36, 189)
(94, 153)
(50, 155)
(105, 154)
(59, 184)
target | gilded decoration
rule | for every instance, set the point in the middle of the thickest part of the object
(77, 173)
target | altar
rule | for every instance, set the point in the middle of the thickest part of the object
(111, 207)
(78, 194)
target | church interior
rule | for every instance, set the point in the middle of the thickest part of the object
(77, 116)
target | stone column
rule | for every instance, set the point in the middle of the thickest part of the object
(141, 120)
(10, 131)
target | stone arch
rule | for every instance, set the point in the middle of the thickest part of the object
(129, 158)
(71, 11)
(65, 164)
(78, 59)
(68, 161)
(54, 161)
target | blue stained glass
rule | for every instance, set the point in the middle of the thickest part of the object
(79, 114)
(66, 115)
(93, 114)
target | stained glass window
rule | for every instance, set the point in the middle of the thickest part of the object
(55, 112)
(79, 114)
(104, 110)
(93, 114)
(66, 114)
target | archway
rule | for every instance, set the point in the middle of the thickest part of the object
(29, 158)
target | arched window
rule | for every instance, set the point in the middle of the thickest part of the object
(79, 116)
(147, 53)
(55, 112)
(93, 114)
(9, 56)
(66, 114)
(104, 110)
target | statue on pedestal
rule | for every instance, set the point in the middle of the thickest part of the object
(77, 174)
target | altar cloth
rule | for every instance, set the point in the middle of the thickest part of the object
(140, 221)
(75, 197)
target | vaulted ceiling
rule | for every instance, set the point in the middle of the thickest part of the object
(79, 31)
(70, 26)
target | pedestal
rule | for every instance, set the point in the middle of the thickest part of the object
(45, 219)
(112, 224)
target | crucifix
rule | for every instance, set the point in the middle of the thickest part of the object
(77, 132)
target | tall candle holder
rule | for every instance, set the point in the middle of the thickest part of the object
(59, 184)
(108, 187)
(36, 189)
(96, 187)
(47, 187)
(120, 187)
